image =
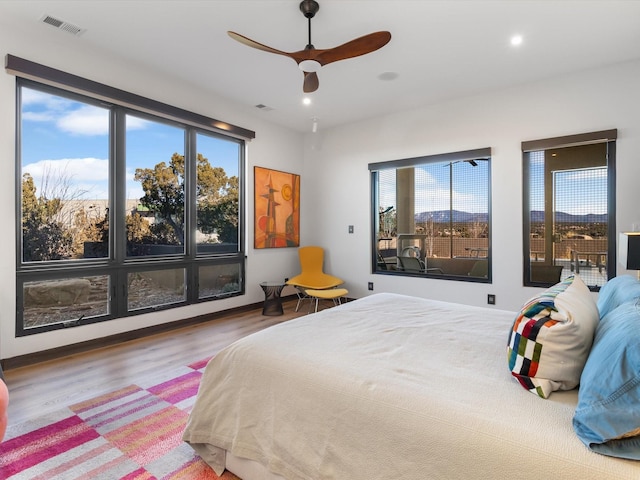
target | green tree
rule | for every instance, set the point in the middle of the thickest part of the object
(43, 235)
(138, 229)
(163, 188)
(216, 194)
(90, 228)
(219, 213)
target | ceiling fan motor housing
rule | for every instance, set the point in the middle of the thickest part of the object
(309, 8)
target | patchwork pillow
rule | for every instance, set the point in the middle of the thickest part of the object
(607, 417)
(615, 292)
(551, 337)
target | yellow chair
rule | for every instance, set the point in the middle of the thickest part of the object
(312, 275)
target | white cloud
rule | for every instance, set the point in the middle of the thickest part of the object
(135, 123)
(77, 169)
(70, 116)
(47, 116)
(90, 120)
(86, 120)
(78, 177)
(50, 102)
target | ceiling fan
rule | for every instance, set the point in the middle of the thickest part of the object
(311, 59)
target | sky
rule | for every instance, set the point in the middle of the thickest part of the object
(66, 142)
(433, 187)
(578, 192)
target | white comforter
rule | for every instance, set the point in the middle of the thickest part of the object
(388, 387)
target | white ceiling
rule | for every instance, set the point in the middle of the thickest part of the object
(439, 49)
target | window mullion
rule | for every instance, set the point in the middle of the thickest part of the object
(190, 220)
(191, 178)
(117, 211)
(118, 186)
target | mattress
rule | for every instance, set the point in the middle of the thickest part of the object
(387, 386)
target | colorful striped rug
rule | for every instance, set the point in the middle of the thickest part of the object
(133, 433)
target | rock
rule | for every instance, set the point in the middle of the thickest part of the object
(57, 292)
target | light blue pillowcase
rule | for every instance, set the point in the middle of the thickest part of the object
(609, 396)
(617, 291)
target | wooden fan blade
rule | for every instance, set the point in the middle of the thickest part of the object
(311, 82)
(252, 43)
(360, 46)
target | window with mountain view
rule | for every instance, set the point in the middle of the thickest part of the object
(569, 219)
(432, 216)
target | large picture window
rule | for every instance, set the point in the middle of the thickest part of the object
(569, 209)
(431, 216)
(121, 211)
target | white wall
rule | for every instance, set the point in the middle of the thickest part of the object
(337, 161)
(274, 147)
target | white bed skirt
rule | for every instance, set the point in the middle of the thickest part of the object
(248, 469)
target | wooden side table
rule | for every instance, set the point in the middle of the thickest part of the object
(272, 301)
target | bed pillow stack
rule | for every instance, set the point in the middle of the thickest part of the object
(607, 418)
(551, 337)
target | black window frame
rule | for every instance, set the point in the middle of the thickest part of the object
(607, 137)
(117, 265)
(480, 154)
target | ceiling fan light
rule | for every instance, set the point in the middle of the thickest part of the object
(309, 66)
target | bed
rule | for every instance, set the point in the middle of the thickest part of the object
(387, 386)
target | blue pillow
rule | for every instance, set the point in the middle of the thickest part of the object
(617, 291)
(607, 417)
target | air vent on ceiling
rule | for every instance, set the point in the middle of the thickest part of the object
(264, 108)
(62, 25)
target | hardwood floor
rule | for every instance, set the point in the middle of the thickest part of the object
(41, 388)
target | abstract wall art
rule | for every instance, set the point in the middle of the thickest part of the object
(276, 208)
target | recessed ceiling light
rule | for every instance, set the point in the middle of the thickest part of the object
(516, 40)
(306, 101)
(388, 76)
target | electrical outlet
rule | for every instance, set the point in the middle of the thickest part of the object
(370, 286)
(350, 228)
(491, 299)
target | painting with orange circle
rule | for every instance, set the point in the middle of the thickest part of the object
(276, 208)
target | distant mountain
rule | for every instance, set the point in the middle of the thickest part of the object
(442, 216)
(537, 216)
